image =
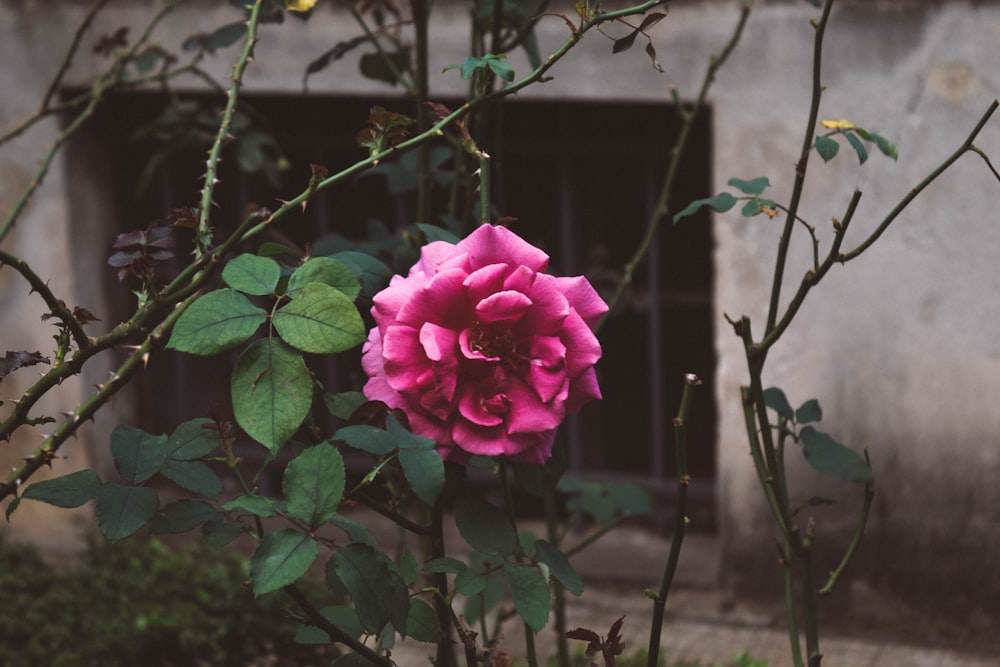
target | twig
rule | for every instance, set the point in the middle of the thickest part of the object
(680, 519)
(662, 208)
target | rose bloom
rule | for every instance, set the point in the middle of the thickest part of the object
(484, 351)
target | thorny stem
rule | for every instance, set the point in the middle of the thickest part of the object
(438, 128)
(800, 170)
(215, 152)
(320, 621)
(86, 410)
(45, 107)
(680, 518)
(662, 208)
(56, 307)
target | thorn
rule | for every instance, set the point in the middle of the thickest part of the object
(131, 348)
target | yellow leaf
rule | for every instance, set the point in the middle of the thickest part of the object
(837, 124)
(299, 5)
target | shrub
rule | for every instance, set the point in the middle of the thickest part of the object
(142, 604)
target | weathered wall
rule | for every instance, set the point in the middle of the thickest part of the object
(900, 346)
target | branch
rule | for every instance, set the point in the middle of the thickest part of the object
(215, 151)
(336, 634)
(800, 170)
(966, 146)
(88, 408)
(662, 208)
(56, 307)
(680, 519)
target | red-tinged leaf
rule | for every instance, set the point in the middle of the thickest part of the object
(651, 20)
(625, 43)
(651, 52)
(14, 360)
(184, 216)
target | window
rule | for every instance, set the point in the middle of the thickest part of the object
(581, 181)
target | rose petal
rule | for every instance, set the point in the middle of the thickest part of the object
(527, 413)
(503, 306)
(583, 298)
(490, 244)
(441, 300)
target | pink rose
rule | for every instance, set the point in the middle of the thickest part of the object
(484, 352)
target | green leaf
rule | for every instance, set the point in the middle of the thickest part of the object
(280, 559)
(367, 438)
(721, 203)
(542, 480)
(254, 505)
(320, 319)
(422, 623)
(887, 147)
(251, 274)
(754, 186)
(444, 564)
(559, 566)
(314, 484)
(194, 476)
(501, 68)
(775, 399)
(826, 147)
(356, 531)
(379, 594)
(435, 233)
(68, 491)
(406, 439)
(858, 147)
(122, 510)
(340, 615)
(374, 66)
(484, 527)
(217, 534)
(216, 322)
(225, 36)
(469, 582)
(530, 592)
(809, 412)
(831, 458)
(271, 391)
(183, 515)
(424, 470)
(409, 568)
(373, 274)
(147, 60)
(344, 404)
(193, 440)
(325, 270)
(751, 208)
(494, 593)
(138, 455)
(469, 67)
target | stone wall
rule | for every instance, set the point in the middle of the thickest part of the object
(900, 346)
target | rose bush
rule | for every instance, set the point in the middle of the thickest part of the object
(484, 351)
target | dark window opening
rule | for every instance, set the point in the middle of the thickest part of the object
(581, 177)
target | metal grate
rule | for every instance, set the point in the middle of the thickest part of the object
(581, 183)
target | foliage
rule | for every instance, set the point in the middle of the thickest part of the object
(141, 603)
(477, 356)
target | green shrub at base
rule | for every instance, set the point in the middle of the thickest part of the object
(141, 604)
